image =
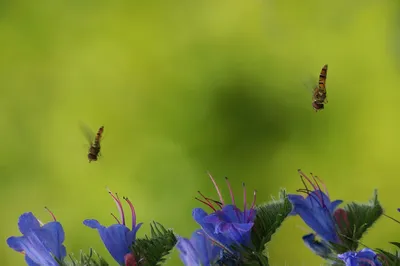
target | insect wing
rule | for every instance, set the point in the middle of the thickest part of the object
(88, 133)
(310, 84)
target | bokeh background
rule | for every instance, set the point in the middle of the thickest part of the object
(186, 87)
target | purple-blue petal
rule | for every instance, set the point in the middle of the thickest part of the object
(92, 223)
(352, 258)
(14, 243)
(297, 200)
(187, 253)
(239, 233)
(334, 205)
(117, 238)
(52, 234)
(198, 214)
(36, 250)
(209, 229)
(226, 226)
(199, 250)
(205, 248)
(319, 248)
(27, 222)
(317, 212)
(40, 244)
(132, 234)
(30, 262)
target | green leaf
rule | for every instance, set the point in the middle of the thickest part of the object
(397, 244)
(269, 218)
(390, 258)
(87, 259)
(247, 257)
(152, 251)
(360, 217)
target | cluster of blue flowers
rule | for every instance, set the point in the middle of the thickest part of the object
(227, 234)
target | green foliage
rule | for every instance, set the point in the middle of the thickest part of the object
(390, 258)
(360, 217)
(152, 251)
(246, 257)
(87, 259)
(269, 218)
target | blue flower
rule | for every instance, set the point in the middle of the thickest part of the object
(197, 251)
(365, 257)
(322, 249)
(117, 238)
(316, 210)
(40, 244)
(229, 225)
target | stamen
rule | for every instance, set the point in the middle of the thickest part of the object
(323, 185)
(133, 212)
(319, 189)
(308, 193)
(52, 215)
(216, 187)
(119, 206)
(303, 190)
(244, 201)
(206, 203)
(207, 199)
(230, 191)
(216, 202)
(253, 203)
(308, 179)
(304, 183)
(214, 242)
(116, 219)
(313, 185)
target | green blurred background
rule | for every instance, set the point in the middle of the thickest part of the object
(185, 87)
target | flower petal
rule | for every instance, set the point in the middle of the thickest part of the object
(187, 253)
(36, 250)
(319, 248)
(206, 250)
(92, 223)
(199, 250)
(198, 214)
(315, 212)
(52, 235)
(335, 204)
(238, 233)
(30, 262)
(131, 236)
(27, 222)
(117, 240)
(296, 200)
(365, 255)
(14, 243)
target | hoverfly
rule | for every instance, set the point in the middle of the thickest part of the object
(319, 93)
(94, 141)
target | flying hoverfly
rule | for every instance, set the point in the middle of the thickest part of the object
(319, 93)
(94, 141)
